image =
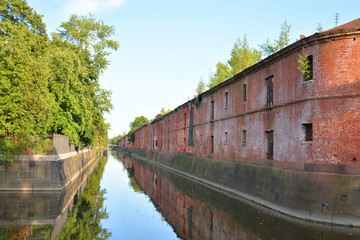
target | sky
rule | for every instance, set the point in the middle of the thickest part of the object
(166, 46)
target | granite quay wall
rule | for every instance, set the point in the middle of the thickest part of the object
(320, 196)
(45, 172)
(198, 212)
(24, 209)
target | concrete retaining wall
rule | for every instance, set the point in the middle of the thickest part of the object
(44, 172)
(307, 194)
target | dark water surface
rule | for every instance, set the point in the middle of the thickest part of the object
(127, 198)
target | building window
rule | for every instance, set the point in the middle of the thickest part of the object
(244, 137)
(185, 119)
(156, 143)
(310, 68)
(308, 132)
(244, 92)
(226, 100)
(200, 140)
(270, 91)
(201, 109)
(212, 144)
(270, 144)
(226, 138)
(212, 110)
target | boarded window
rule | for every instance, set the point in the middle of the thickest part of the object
(270, 91)
(270, 145)
(212, 110)
(201, 110)
(244, 92)
(226, 138)
(226, 100)
(212, 144)
(184, 144)
(244, 137)
(185, 119)
(308, 130)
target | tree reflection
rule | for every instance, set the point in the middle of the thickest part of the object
(84, 221)
(132, 183)
(26, 231)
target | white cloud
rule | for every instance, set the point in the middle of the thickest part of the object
(83, 7)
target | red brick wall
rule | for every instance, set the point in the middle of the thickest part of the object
(330, 101)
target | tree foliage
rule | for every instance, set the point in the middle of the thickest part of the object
(84, 222)
(163, 111)
(201, 87)
(242, 56)
(319, 27)
(136, 124)
(114, 140)
(51, 86)
(269, 48)
(304, 65)
(223, 72)
(92, 37)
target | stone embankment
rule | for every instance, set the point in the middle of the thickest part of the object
(322, 197)
(46, 172)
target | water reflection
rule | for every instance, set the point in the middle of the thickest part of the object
(41, 215)
(198, 212)
(84, 220)
(132, 215)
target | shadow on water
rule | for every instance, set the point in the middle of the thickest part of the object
(74, 213)
(198, 212)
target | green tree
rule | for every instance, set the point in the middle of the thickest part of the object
(25, 103)
(163, 111)
(18, 12)
(136, 124)
(201, 87)
(269, 48)
(88, 40)
(243, 56)
(114, 140)
(51, 86)
(223, 72)
(304, 65)
(319, 27)
(92, 37)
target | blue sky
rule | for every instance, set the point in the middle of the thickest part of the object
(166, 46)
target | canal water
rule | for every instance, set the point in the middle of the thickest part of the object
(127, 198)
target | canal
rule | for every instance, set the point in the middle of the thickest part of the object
(127, 198)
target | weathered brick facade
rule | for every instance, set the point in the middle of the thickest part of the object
(312, 121)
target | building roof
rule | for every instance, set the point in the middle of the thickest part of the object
(350, 25)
